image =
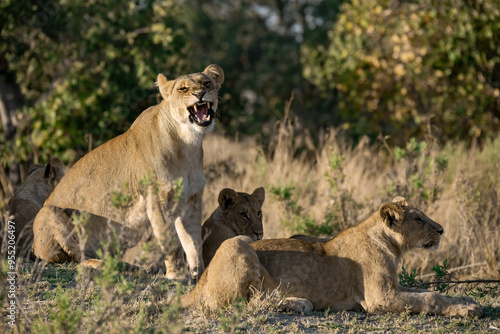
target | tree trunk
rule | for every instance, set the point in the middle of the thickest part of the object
(11, 99)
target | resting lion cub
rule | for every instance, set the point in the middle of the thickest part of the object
(29, 199)
(164, 144)
(356, 269)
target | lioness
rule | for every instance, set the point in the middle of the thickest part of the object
(356, 269)
(164, 144)
(28, 200)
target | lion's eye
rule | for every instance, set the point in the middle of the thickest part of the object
(207, 84)
(259, 214)
(420, 221)
(182, 89)
(244, 215)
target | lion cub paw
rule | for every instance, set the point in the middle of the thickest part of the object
(300, 305)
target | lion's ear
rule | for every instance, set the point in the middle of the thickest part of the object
(50, 172)
(399, 200)
(227, 198)
(54, 171)
(163, 85)
(216, 72)
(260, 195)
(392, 214)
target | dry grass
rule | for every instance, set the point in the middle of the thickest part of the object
(317, 188)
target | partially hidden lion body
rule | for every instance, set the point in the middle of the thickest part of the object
(163, 145)
(28, 200)
(355, 270)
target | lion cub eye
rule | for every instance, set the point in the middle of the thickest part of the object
(244, 215)
(259, 214)
(207, 84)
(420, 221)
(182, 89)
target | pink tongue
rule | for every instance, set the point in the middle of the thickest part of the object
(201, 114)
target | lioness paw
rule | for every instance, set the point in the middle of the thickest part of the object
(465, 307)
(300, 305)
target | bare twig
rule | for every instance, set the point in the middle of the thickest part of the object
(464, 282)
(457, 268)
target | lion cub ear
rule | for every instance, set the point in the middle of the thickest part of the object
(227, 198)
(392, 214)
(164, 86)
(54, 171)
(399, 200)
(260, 195)
(216, 72)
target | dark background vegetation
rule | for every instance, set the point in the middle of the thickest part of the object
(74, 74)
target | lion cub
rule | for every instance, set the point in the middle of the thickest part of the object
(355, 270)
(28, 200)
(238, 214)
(144, 165)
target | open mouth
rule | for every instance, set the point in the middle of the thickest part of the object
(201, 113)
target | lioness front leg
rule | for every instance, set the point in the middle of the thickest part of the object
(189, 232)
(417, 301)
(162, 226)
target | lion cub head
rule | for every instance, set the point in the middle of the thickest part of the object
(39, 183)
(193, 98)
(238, 214)
(243, 212)
(410, 226)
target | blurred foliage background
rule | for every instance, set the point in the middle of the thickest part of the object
(75, 74)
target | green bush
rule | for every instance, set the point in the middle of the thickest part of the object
(86, 69)
(413, 67)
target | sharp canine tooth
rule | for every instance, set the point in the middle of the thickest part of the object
(196, 107)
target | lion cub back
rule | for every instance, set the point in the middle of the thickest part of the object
(238, 214)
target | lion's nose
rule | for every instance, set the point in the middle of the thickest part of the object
(199, 94)
(258, 235)
(440, 230)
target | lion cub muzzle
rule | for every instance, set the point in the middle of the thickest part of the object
(201, 113)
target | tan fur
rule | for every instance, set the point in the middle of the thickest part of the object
(163, 145)
(217, 289)
(355, 270)
(309, 238)
(28, 200)
(238, 214)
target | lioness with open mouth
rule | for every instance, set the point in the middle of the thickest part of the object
(163, 145)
